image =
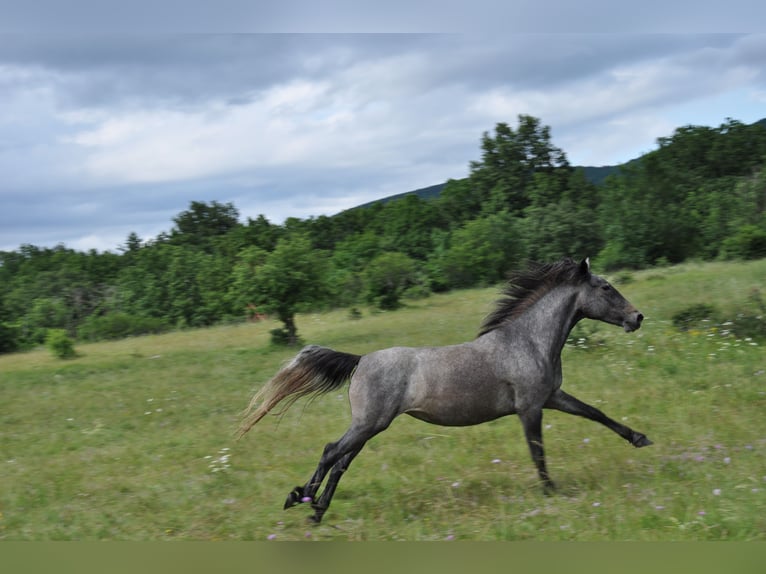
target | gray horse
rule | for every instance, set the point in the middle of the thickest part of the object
(512, 367)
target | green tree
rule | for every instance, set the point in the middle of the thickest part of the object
(387, 277)
(511, 160)
(481, 252)
(560, 223)
(282, 282)
(202, 222)
(406, 226)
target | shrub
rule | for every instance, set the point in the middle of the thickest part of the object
(60, 344)
(693, 315)
(751, 322)
(387, 277)
(281, 338)
(354, 314)
(749, 242)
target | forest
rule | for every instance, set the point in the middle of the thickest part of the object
(701, 194)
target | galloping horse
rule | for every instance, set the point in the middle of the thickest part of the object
(512, 367)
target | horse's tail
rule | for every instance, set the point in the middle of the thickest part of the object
(313, 371)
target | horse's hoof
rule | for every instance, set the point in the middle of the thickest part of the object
(549, 488)
(294, 497)
(640, 440)
(314, 519)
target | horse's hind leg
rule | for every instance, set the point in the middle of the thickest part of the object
(321, 505)
(343, 450)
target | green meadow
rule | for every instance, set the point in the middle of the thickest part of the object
(134, 439)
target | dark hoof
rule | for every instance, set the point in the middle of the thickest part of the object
(549, 488)
(295, 497)
(318, 513)
(315, 519)
(640, 440)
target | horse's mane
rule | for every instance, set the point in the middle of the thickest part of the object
(525, 287)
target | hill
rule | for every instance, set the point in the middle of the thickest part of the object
(594, 174)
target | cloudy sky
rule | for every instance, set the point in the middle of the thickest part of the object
(103, 134)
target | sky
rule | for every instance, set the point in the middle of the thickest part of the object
(116, 128)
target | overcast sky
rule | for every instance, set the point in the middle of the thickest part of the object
(105, 134)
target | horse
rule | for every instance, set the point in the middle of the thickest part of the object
(513, 366)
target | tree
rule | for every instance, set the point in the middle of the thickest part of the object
(387, 277)
(560, 223)
(481, 252)
(281, 282)
(510, 161)
(202, 222)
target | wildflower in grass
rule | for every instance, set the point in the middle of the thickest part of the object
(586, 440)
(455, 484)
(596, 504)
(701, 513)
(219, 463)
(271, 537)
(496, 461)
(716, 492)
(659, 507)
(449, 537)
(727, 460)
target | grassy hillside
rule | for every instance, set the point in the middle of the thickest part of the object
(133, 440)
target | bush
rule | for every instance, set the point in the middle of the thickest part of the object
(387, 277)
(693, 315)
(354, 314)
(281, 338)
(749, 242)
(60, 344)
(751, 322)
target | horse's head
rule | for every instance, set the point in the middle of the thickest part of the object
(599, 300)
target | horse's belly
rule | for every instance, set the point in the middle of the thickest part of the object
(468, 411)
(453, 420)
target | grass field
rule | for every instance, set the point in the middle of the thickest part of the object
(133, 440)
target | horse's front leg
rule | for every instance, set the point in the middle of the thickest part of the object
(567, 403)
(532, 420)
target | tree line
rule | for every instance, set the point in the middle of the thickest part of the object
(701, 194)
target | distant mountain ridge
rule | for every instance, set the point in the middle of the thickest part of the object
(596, 175)
(593, 174)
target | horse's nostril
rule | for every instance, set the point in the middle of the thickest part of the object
(639, 318)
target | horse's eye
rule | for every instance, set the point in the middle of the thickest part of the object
(606, 287)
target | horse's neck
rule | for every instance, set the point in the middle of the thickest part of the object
(549, 320)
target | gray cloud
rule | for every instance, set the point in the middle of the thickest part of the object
(104, 134)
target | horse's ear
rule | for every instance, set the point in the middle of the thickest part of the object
(585, 266)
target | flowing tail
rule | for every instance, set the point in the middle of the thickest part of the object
(314, 370)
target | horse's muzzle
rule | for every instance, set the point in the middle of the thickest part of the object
(633, 322)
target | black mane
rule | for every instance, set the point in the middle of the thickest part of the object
(526, 286)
